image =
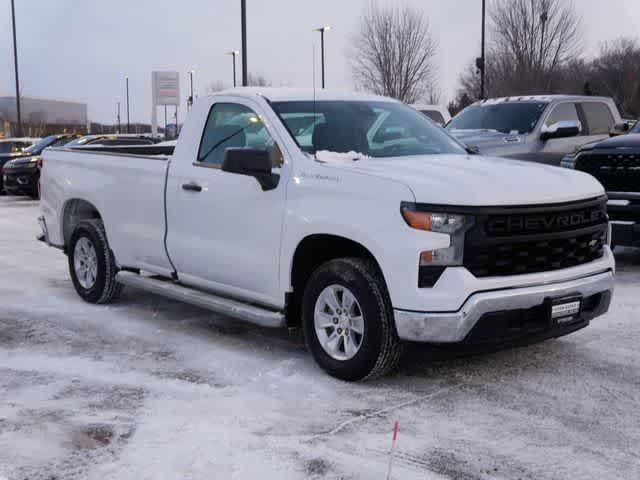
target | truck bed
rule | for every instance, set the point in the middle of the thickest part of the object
(128, 189)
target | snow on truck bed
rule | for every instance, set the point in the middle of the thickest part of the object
(153, 389)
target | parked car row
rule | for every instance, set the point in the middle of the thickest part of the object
(20, 170)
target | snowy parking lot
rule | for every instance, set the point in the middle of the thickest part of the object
(148, 388)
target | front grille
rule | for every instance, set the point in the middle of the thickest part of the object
(617, 172)
(520, 240)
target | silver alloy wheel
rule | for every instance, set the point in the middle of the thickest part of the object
(85, 263)
(339, 322)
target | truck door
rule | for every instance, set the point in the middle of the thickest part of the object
(223, 230)
(552, 150)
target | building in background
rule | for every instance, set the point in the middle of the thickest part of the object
(42, 116)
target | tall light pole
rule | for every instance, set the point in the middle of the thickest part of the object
(190, 99)
(326, 28)
(20, 131)
(234, 54)
(126, 79)
(544, 16)
(118, 116)
(480, 61)
(243, 20)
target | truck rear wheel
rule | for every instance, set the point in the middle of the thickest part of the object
(348, 320)
(91, 263)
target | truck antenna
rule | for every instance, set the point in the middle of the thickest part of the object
(315, 153)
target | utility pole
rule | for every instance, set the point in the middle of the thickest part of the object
(544, 16)
(20, 131)
(243, 14)
(326, 28)
(118, 117)
(126, 79)
(480, 61)
(234, 54)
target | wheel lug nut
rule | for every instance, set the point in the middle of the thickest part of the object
(335, 319)
(339, 331)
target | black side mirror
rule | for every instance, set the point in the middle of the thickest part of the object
(619, 129)
(561, 129)
(252, 162)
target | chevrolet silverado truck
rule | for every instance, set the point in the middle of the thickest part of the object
(615, 162)
(374, 230)
(539, 128)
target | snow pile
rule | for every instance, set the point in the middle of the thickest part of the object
(327, 156)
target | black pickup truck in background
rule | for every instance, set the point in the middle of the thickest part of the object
(615, 162)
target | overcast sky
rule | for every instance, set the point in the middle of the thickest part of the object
(81, 50)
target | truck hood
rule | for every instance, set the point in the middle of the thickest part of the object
(474, 180)
(486, 139)
(628, 141)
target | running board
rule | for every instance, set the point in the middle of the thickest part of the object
(233, 308)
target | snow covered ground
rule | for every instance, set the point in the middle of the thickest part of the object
(153, 389)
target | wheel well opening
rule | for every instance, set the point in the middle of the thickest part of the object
(312, 252)
(76, 211)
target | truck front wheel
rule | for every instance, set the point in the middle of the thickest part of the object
(348, 320)
(91, 263)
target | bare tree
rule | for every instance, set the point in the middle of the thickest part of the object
(532, 42)
(616, 73)
(216, 86)
(257, 80)
(393, 52)
(537, 35)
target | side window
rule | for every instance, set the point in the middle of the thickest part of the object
(599, 118)
(434, 115)
(232, 125)
(562, 111)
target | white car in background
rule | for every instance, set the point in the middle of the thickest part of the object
(438, 113)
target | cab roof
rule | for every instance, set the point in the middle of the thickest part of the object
(274, 94)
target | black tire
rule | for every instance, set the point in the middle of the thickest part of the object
(105, 288)
(380, 350)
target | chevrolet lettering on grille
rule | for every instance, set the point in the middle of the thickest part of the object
(543, 223)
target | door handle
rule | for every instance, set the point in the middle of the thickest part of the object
(191, 187)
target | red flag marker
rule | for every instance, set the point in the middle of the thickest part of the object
(393, 445)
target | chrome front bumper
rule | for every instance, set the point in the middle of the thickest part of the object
(450, 327)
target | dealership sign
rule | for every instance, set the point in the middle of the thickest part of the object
(166, 88)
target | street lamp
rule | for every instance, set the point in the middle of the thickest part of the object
(15, 64)
(126, 79)
(190, 99)
(234, 54)
(118, 116)
(326, 28)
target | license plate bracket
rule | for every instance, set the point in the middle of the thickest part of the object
(565, 309)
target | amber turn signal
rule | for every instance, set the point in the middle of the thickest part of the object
(418, 220)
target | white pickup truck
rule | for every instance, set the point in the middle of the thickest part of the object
(351, 216)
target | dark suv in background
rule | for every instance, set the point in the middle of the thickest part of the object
(615, 163)
(536, 128)
(20, 174)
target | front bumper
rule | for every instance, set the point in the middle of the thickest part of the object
(21, 180)
(451, 327)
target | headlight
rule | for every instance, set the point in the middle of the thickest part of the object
(569, 160)
(453, 224)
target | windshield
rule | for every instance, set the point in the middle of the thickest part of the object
(514, 118)
(38, 147)
(374, 129)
